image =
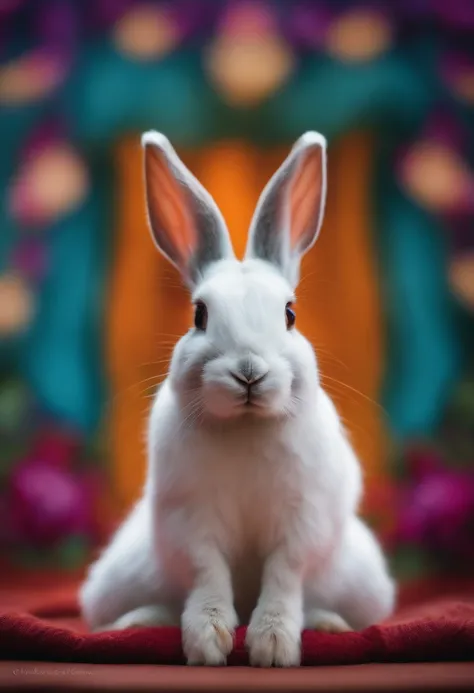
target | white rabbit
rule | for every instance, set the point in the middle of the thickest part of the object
(248, 514)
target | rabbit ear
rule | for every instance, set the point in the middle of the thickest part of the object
(185, 222)
(290, 211)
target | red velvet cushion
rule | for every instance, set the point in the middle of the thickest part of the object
(435, 630)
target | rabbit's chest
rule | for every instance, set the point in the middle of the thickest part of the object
(251, 499)
(246, 496)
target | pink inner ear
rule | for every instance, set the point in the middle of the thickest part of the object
(305, 198)
(169, 208)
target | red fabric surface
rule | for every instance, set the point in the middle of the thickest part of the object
(436, 630)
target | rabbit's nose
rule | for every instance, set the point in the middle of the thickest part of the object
(247, 375)
(246, 370)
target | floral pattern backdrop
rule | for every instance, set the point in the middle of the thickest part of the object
(77, 75)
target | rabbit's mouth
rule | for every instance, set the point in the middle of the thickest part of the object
(223, 403)
(253, 408)
(250, 404)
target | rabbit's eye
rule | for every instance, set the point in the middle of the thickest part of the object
(290, 316)
(200, 316)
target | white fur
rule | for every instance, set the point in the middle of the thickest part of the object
(248, 515)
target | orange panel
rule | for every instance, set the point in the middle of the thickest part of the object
(228, 170)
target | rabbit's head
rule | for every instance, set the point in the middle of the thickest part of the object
(244, 355)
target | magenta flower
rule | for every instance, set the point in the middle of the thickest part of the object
(47, 503)
(436, 509)
(59, 448)
(307, 23)
(29, 258)
(456, 14)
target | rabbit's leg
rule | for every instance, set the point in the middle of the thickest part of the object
(144, 616)
(274, 632)
(356, 591)
(325, 621)
(124, 586)
(209, 617)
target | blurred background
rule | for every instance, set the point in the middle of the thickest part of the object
(89, 311)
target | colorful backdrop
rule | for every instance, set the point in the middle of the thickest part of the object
(89, 312)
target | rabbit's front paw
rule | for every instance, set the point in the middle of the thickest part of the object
(273, 639)
(208, 635)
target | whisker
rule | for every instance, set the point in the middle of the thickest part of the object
(160, 362)
(351, 389)
(150, 392)
(147, 380)
(171, 335)
(351, 428)
(195, 406)
(323, 355)
(168, 343)
(157, 380)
